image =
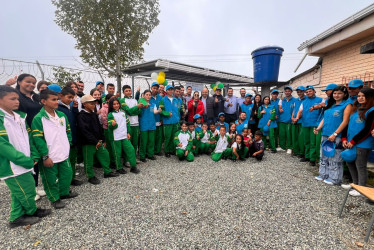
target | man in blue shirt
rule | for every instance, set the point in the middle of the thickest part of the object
(274, 100)
(155, 99)
(354, 87)
(231, 105)
(298, 148)
(286, 107)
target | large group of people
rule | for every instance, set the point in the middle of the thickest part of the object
(50, 133)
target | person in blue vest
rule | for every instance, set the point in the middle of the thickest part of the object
(155, 99)
(221, 121)
(298, 148)
(275, 102)
(354, 87)
(267, 124)
(358, 134)
(241, 123)
(309, 122)
(335, 119)
(328, 91)
(286, 106)
(170, 114)
(247, 107)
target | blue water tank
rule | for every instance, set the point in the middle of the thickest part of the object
(266, 61)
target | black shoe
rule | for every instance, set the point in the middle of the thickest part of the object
(167, 155)
(94, 181)
(312, 163)
(112, 165)
(159, 154)
(234, 160)
(152, 158)
(24, 221)
(69, 196)
(224, 158)
(143, 160)
(111, 174)
(40, 213)
(121, 171)
(273, 151)
(304, 160)
(96, 166)
(58, 204)
(300, 156)
(241, 159)
(135, 170)
(76, 182)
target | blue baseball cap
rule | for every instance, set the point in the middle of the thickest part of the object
(196, 116)
(288, 87)
(355, 83)
(155, 84)
(302, 88)
(99, 82)
(349, 155)
(55, 88)
(330, 87)
(248, 94)
(309, 87)
(328, 148)
(169, 87)
(221, 114)
(275, 91)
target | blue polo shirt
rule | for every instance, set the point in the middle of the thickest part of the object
(287, 106)
(226, 125)
(147, 121)
(333, 117)
(310, 119)
(247, 108)
(298, 103)
(241, 126)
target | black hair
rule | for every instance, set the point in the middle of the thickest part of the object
(68, 84)
(263, 99)
(230, 88)
(40, 83)
(242, 88)
(189, 87)
(183, 122)
(5, 90)
(44, 94)
(223, 127)
(109, 85)
(21, 77)
(125, 87)
(111, 101)
(80, 81)
(177, 87)
(211, 123)
(332, 101)
(241, 150)
(146, 91)
(67, 91)
(99, 101)
(108, 97)
(188, 123)
(259, 133)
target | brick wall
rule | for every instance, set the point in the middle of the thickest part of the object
(310, 78)
(346, 63)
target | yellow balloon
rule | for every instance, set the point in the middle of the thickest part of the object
(214, 88)
(160, 79)
(162, 74)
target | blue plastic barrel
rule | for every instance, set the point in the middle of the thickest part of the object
(266, 61)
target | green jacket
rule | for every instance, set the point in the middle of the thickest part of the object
(176, 139)
(9, 154)
(129, 111)
(38, 132)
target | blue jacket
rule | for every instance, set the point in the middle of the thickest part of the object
(269, 115)
(168, 107)
(276, 106)
(226, 125)
(298, 103)
(355, 125)
(71, 114)
(157, 103)
(241, 126)
(311, 119)
(247, 108)
(288, 107)
(147, 121)
(333, 117)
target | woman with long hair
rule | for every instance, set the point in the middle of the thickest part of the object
(267, 115)
(361, 123)
(254, 115)
(195, 106)
(335, 119)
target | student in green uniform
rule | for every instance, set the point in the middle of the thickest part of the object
(155, 99)
(238, 150)
(195, 138)
(221, 150)
(92, 139)
(17, 158)
(206, 140)
(52, 138)
(119, 126)
(298, 148)
(183, 143)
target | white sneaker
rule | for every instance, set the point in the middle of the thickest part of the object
(346, 186)
(40, 192)
(289, 151)
(280, 149)
(37, 197)
(318, 178)
(354, 193)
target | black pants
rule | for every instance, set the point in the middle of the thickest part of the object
(36, 175)
(252, 150)
(229, 118)
(358, 168)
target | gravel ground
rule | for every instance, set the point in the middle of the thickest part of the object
(274, 204)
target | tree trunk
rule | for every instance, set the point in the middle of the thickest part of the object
(118, 72)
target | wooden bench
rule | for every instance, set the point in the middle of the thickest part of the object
(368, 193)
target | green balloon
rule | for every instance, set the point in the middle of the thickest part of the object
(165, 83)
(212, 85)
(221, 85)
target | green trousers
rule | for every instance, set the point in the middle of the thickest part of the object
(109, 147)
(159, 138)
(311, 143)
(276, 136)
(22, 194)
(147, 144)
(204, 147)
(242, 155)
(73, 159)
(102, 155)
(285, 135)
(134, 133)
(271, 142)
(217, 156)
(56, 179)
(169, 133)
(180, 154)
(126, 147)
(298, 147)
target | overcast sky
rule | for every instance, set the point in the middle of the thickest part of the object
(216, 34)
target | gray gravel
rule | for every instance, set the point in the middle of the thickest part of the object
(274, 204)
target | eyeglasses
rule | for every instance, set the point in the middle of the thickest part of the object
(196, 95)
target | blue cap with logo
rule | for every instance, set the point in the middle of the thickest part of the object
(330, 87)
(288, 87)
(355, 83)
(99, 82)
(248, 94)
(275, 91)
(349, 155)
(169, 87)
(55, 88)
(155, 84)
(328, 148)
(302, 88)
(196, 116)
(221, 114)
(309, 87)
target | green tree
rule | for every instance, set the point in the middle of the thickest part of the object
(61, 76)
(110, 33)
